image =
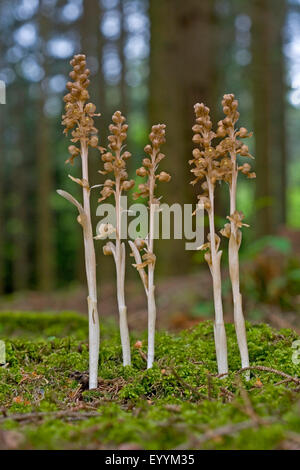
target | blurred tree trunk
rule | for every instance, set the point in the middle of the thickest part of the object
(90, 41)
(269, 112)
(123, 87)
(20, 183)
(262, 97)
(44, 182)
(279, 143)
(92, 47)
(183, 70)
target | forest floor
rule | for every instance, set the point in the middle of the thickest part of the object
(179, 404)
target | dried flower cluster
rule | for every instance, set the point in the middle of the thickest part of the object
(78, 119)
(115, 158)
(150, 164)
(230, 148)
(208, 170)
(79, 115)
(214, 163)
(115, 163)
(148, 258)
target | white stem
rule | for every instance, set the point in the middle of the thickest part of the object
(237, 301)
(90, 267)
(215, 268)
(233, 254)
(151, 318)
(151, 287)
(120, 273)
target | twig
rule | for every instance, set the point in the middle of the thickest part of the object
(230, 429)
(265, 369)
(227, 393)
(75, 415)
(209, 387)
(247, 408)
(142, 354)
(282, 382)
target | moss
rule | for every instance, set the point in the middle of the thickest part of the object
(43, 324)
(171, 405)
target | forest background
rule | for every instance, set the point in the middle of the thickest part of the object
(153, 60)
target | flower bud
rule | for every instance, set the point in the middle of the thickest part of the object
(196, 153)
(73, 150)
(90, 108)
(107, 157)
(93, 141)
(147, 162)
(197, 128)
(227, 122)
(141, 171)
(197, 139)
(245, 168)
(244, 150)
(221, 132)
(243, 132)
(127, 185)
(126, 155)
(107, 250)
(108, 166)
(163, 176)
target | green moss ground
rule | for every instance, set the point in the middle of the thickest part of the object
(174, 405)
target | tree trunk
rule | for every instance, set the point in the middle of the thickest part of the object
(269, 113)
(20, 187)
(91, 45)
(279, 142)
(44, 157)
(182, 70)
(123, 86)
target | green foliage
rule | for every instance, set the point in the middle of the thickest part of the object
(43, 324)
(280, 244)
(173, 404)
(271, 272)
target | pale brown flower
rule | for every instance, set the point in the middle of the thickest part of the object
(78, 117)
(150, 164)
(115, 158)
